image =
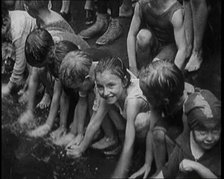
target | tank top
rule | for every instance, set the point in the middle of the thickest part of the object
(160, 24)
(133, 91)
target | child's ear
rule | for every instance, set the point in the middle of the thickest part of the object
(125, 81)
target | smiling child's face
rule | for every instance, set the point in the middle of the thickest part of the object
(110, 86)
(207, 138)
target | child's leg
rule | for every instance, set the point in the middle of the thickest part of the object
(188, 25)
(89, 5)
(144, 42)
(65, 6)
(200, 14)
(48, 82)
(90, 12)
(142, 124)
(110, 136)
(159, 147)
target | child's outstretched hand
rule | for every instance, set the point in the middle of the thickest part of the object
(187, 165)
(144, 170)
(76, 141)
(40, 131)
(75, 151)
(26, 117)
(61, 131)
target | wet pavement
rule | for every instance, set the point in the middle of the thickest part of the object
(28, 158)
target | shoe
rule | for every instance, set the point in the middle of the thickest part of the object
(113, 32)
(66, 16)
(90, 17)
(104, 143)
(99, 27)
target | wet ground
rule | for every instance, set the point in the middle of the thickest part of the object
(24, 157)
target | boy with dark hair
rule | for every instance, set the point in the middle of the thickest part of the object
(162, 82)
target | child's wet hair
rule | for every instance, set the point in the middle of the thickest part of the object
(162, 79)
(116, 67)
(74, 68)
(57, 54)
(37, 46)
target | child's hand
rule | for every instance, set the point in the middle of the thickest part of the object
(187, 165)
(26, 117)
(142, 171)
(76, 141)
(61, 131)
(74, 151)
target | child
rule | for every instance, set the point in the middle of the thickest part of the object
(118, 90)
(16, 25)
(198, 153)
(51, 63)
(111, 30)
(59, 30)
(163, 85)
(77, 72)
(38, 44)
(156, 33)
(53, 22)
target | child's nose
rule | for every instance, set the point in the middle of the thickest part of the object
(106, 92)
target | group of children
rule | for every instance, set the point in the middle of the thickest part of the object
(150, 104)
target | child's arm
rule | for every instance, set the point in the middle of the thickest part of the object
(131, 39)
(54, 103)
(64, 108)
(179, 34)
(145, 169)
(122, 168)
(64, 101)
(77, 126)
(190, 165)
(80, 114)
(93, 126)
(33, 83)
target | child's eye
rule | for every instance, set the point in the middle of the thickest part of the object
(202, 132)
(215, 132)
(110, 85)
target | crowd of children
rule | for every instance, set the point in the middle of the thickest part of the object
(97, 97)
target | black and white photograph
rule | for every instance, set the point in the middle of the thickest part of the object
(111, 89)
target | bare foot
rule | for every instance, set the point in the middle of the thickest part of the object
(76, 141)
(55, 135)
(45, 101)
(64, 140)
(40, 131)
(26, 117)
(104, 143)
(194, 62)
